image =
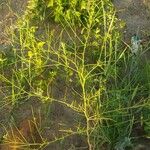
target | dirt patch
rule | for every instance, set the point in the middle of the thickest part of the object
(34, 121)
(136, 15)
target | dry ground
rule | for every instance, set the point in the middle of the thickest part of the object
(136, 15)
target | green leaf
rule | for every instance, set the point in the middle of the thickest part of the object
(50, 3)
(83, 5)
(135, 92)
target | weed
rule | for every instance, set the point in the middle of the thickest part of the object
(85, 59)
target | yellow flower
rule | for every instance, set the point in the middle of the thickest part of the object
(39, 63)
(40, 44)
(30, 54)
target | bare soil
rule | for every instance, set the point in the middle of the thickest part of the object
(136, 14)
